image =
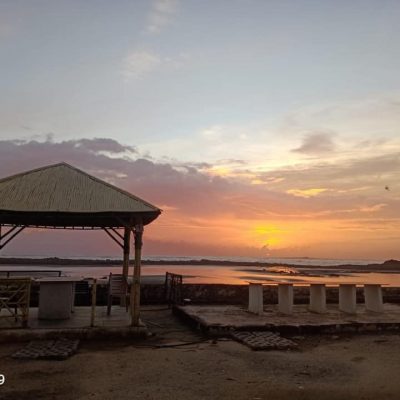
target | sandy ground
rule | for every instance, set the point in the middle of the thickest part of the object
(324, 367)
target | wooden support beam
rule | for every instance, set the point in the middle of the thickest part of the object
(117, 233)
(12, 232)
(119, 243)
(135, 292)
(125, 265)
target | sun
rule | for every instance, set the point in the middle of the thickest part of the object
(267, 235)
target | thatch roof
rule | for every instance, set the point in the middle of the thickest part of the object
(62, 195)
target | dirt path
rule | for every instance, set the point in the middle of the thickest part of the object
(358, 367)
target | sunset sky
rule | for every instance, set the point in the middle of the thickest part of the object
(261, 128)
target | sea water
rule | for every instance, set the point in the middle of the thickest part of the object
(303, 270)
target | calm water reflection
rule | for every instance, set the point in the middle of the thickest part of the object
(228, 274)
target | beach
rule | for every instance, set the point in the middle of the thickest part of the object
(324, 367)
(199, 200)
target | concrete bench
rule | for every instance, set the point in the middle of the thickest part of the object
(256, 304)
(285, 295)
(56, 297)
(347, 298)
(373, 297)
(285, 298)
(317, 298)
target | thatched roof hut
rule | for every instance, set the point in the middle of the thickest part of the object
(61, 196)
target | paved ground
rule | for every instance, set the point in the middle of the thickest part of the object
(221, 317)
(177, 363)
(80, 318)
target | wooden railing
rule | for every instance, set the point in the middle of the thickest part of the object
(14, 299)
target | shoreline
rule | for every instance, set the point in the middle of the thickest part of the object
(386, 266)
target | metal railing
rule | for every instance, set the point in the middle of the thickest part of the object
(29, 273)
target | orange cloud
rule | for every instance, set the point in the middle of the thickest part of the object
(306, 192)
(343, 210)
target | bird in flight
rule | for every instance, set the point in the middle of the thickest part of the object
(387, 187)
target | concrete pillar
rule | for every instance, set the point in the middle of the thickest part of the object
(347, 298)
(285, 298)
(373, 298)
(317, 298)
(256, 304)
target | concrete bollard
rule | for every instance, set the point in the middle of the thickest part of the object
(373, 298)
(347, 298)
(256, 304)
(285, 298)
(317, 298)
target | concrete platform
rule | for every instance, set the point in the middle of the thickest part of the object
(116, 324)
(220, 320)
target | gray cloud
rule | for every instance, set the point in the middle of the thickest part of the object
(103, 145)
(316, 143)
(352, 187)
(183, 186)
(161, 14)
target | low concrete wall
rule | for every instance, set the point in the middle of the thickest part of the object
(222, 294)
(238, 294)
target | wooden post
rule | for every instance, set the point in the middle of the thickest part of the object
(25, 311)
(125, 267)
(93, 314)
(135, 302)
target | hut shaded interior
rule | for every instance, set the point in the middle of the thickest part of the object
(61, 196)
